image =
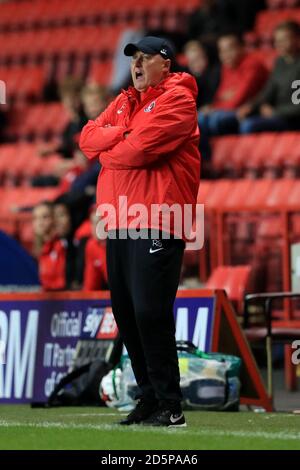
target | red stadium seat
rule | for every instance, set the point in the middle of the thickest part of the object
(242, 153)
(23, 82)
(101, 72)
(218, 193)
(279, 194)
(263, 145)
(282, 151)
(233, 279)
(222, 149)
(40, 120)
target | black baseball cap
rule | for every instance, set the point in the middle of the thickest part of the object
(150, 45)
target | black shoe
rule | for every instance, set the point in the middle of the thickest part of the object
(166, 417)
(142, 411)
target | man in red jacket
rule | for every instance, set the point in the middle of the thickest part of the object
(147, 142)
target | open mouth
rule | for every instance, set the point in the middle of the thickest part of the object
(138, 74)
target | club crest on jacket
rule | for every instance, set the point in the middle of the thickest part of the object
(149, 108)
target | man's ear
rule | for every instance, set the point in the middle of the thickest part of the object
(167, 65)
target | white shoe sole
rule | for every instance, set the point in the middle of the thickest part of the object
(184, 425)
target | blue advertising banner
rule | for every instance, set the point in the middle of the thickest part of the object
(40, 333)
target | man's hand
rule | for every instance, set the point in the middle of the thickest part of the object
(266, 110)
(243, 111)
(46, 150)
(206, 109)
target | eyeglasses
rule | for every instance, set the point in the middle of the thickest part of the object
(141, 57)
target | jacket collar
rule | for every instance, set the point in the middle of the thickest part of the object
(134, 95)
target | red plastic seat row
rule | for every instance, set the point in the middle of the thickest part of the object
(62, 41)
(38, 120)
(55, 12)
(276, 4)
(256, 152)
(24, 197)
(23, 82)
(248, 195)
(101, 72)
(21, 162)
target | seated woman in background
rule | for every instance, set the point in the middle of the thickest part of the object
(64, 230)
(203, 64)
(54, 246)
(48, 248)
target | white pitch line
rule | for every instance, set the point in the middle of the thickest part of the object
(282, 435)
(74, 415)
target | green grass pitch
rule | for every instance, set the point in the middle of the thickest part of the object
(95, 428)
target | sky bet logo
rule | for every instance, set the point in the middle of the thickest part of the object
(2, 92)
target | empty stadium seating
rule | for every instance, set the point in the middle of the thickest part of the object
(237, 155)
(42, 120)
(63, 42)
(101, 72)
(19, 163)
(23, 83)
(45, 13)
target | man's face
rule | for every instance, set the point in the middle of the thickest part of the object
(230, 51)
(148, 70)
(285, 41)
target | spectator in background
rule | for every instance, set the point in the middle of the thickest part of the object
(243, 13)
(210, 19)
(202, 62)
(242, 76)
(49, 248)
(43, 226)
(273, 108)
(70, 94)
(65, 232)
(214, 17)
(95, 99)
(95, 272)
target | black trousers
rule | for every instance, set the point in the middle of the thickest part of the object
(143, 277)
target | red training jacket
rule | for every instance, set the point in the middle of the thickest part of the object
(238, 85)
(95, 273)
(159, 161)
(52, 265)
